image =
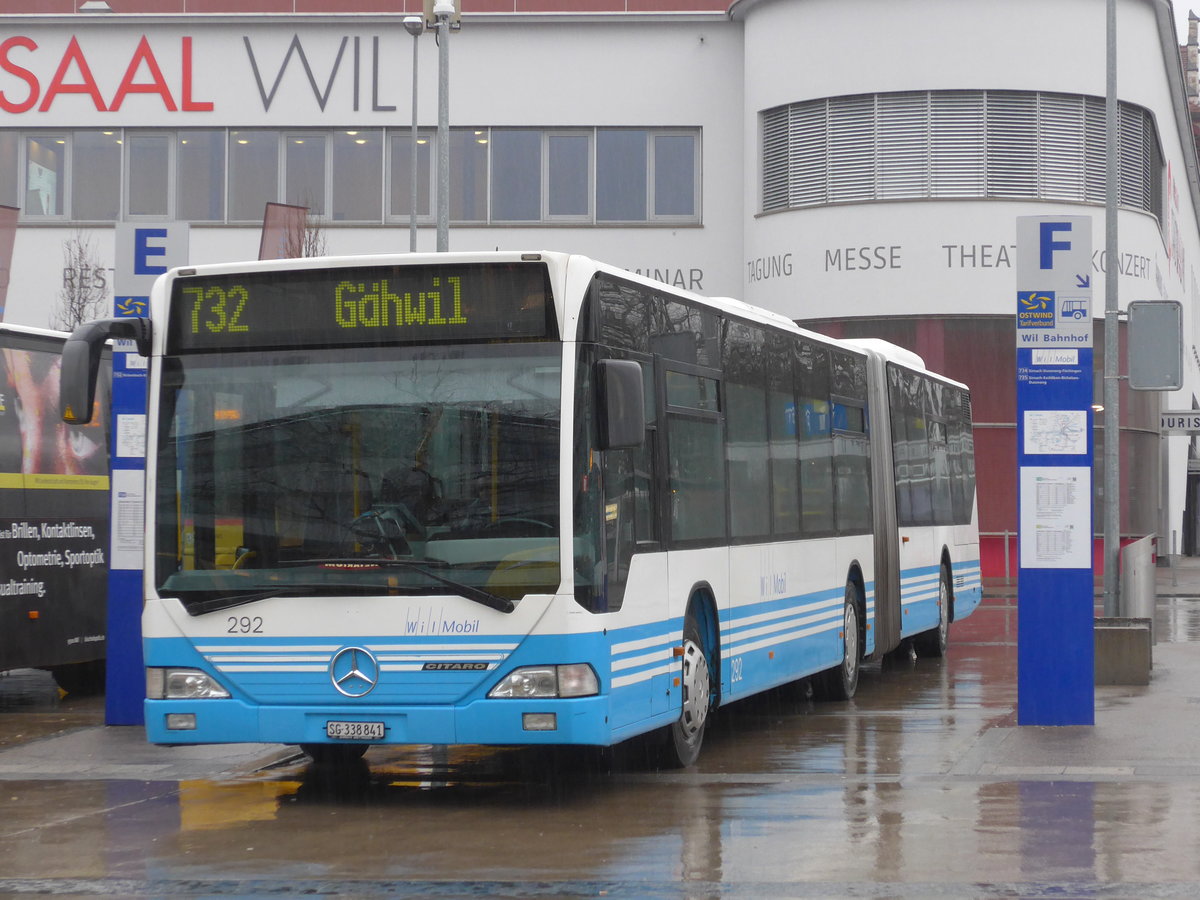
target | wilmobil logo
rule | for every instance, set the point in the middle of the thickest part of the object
(1035, 309)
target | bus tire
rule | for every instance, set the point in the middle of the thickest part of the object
(841, 682)
(332, 755)
(681, 747)
(934, 642)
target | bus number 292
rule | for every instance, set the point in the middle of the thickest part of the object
(245, 625)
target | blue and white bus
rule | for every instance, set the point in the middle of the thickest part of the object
(522, 498)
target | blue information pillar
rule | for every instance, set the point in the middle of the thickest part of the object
(1055, 655)
(142, 254)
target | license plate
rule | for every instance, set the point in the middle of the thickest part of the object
(354, 731)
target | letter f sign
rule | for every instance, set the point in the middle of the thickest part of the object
(1048, 244)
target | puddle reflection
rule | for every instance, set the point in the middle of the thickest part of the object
(787, 791)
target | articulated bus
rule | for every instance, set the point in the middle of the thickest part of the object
(54, 515)
(522, 498)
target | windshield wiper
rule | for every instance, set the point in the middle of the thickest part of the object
(196, 607)
(478, 594)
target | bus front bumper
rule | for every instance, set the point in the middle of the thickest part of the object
(574, 721)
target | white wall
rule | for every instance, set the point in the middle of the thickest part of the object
(958, 256)
(549, 73)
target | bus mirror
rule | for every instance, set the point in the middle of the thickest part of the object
(81, 362)
(620, 404)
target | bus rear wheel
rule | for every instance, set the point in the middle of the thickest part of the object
(684, 737)
(841, 682)
(935, 641)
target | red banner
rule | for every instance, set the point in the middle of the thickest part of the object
(282, 231)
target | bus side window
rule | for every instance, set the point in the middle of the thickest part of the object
(816, 440)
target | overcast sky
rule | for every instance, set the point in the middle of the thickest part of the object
(1181, 16)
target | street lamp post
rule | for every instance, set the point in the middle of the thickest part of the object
(414, 25)
(442, 11)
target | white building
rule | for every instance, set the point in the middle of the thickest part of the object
(854, 164)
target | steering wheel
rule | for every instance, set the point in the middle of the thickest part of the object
(380, 533)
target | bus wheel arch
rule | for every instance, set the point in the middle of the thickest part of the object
(934, 642)
(699, 681)
(948, 572)
(841, 682)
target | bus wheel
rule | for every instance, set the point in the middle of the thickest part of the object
(684, 737)
(840, 682)
(334, 754)
(934, 642)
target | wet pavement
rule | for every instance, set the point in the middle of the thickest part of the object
(923, 786)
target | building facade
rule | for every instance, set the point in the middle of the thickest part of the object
(856, 166)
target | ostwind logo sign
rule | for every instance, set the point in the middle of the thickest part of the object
(1035, 309)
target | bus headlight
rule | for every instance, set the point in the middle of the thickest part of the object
(182, 684)
(538, 682)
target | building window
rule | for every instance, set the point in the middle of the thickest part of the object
(974, 144)
(516, 175)
(45, 166)
(200, 176)
(148, 178)
(400, 174)
(96, 176)
(498, 176)
(357, 175)
(469, 174)
(568, 176)
(304, 171)
(253, 173)
(10, 143)
(620, 175)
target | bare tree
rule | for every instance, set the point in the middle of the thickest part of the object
(84, 292)
(306, 241)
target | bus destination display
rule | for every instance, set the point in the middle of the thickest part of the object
(359, 305)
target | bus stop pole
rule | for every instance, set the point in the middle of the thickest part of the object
(1112, 387)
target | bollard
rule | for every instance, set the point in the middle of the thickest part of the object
(1124, 651)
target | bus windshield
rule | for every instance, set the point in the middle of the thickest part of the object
(386, 470)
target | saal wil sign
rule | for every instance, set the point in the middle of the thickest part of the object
(72, 76)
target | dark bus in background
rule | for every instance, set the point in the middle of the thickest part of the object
(54, 517)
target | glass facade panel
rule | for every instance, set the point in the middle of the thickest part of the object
(200, 176)
(568, 166)
(358, 175)
(620, 175)
(253, 173)
(468, 175)
(96, 176)
(674, 175)
(516, 175)
(9, 152)
(400, 175)
(45, 166)
(149, 175)
(305, 172)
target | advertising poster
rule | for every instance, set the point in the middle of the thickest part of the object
(53, 517)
